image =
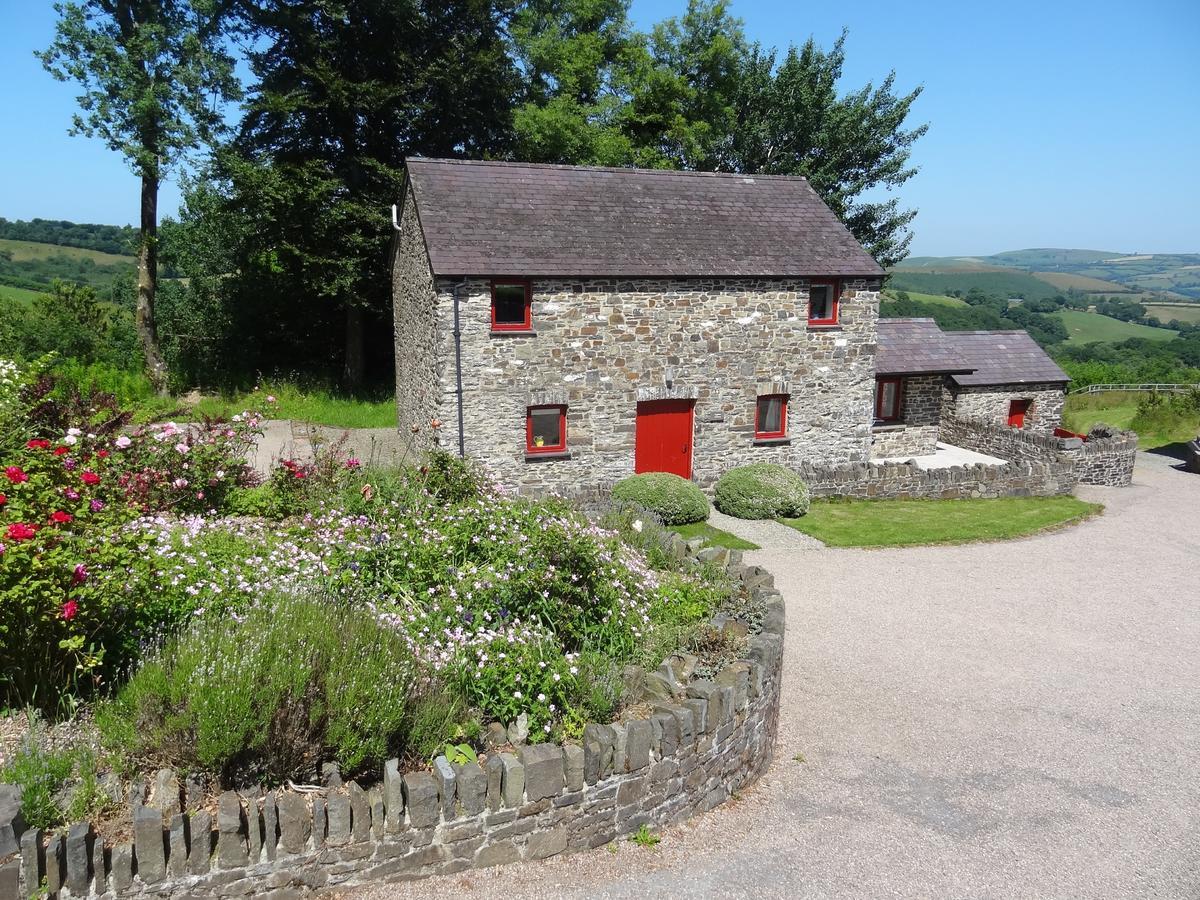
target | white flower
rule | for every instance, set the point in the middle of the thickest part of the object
(637, 526)
(123, 441)
(574, 670)
(516, 695)
(270, 398)
(70, 439)
(181, 448)
(74, 431)
(541, 698)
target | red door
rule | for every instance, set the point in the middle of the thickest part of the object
(1016, 413)
(664, 437)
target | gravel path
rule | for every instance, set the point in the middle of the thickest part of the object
(767, 534)
(989, 720)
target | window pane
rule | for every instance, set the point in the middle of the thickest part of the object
(770, 415)
(510, 304)
(820, 302)
(888, 391)
(546, 426)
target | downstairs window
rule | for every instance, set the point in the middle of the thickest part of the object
(770, 417)
(887, 400)
(545, 429)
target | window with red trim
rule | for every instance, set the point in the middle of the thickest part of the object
(770, 416)
(546, 429)
(1017, 410)
(511, 305)
(822, 302)
(888, 399)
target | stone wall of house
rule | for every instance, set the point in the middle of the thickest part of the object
(1105, 461)
(695, 744)
(602, 345)
(991, 403)
(419, 348)
(917, 433)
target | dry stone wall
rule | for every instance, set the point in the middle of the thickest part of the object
(990, 403)
(600, 346)
(697, 743)
(907, 481)
(1105, 461)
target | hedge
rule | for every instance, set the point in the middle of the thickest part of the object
(675, 500)
(761, 491)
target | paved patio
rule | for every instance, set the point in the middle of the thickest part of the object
(945, 456)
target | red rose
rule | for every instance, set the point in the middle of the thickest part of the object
(103, 454)
(37, 444)
(58, 517)
(19, 531)
(16, 474)
(3, 499)
(90, 478)
(69, 610)
(59, 451)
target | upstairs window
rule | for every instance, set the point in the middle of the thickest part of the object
(822, 302)
(887, 399)
(511, 305)
(545, 429)
(770, 417)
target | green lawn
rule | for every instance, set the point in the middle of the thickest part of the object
(906, 523)
(1084, 327)
(19, 294)
(1189, 313)
(1082, 411)
(319, 406)
(714, 537)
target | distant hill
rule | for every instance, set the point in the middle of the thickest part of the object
(1039, 273)
(119, 240)
(32, 266)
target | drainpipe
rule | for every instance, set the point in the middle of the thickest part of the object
(458, 390)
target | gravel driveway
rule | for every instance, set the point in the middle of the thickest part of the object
(992, 720)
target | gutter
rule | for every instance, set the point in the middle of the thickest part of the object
(458, 388)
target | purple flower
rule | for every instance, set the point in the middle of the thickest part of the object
(69, 464)
(96, 505)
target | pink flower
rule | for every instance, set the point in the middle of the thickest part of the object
(270, 399)
(90, 478)
(179, 483)
(122, 442)
(96, 505)
(80, 575)
(71, 493)
(16, 474)
(69, 610)
(353, 463)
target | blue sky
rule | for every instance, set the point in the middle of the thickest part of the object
(1067, 124)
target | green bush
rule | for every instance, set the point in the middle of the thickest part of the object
(675, 500)
(274, 692)
(761, 491)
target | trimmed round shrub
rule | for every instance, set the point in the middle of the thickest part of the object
(761, 491)
(673, 499)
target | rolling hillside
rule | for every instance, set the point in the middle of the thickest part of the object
(23, 251)
(1174, 276)
(1085, 327)
(33, 266)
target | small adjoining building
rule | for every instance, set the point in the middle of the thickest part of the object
(1012, 381)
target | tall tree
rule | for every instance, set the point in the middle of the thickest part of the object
(150, 71)
(344, 91)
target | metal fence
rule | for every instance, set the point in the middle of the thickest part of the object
(1138, 388)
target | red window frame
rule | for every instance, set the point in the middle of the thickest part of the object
(525, 324)
(759, 434)
(899, 412)
(533, 450)
(835, 292)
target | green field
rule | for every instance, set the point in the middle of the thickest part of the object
(941, 299)
(907, 523)
(1084, 327)
(27, 250)
(15, 293)
(1001, 283)
(1184, 312)
(1118, 408)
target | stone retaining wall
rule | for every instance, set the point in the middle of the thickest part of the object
(1105, 461)
(694, 746)
(906, 481)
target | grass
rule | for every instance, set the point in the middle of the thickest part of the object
(318, 405)
(1184, 312)
(908, 523)
(1065, 281)
(714, 537)
(21, 295)
(1118, 408)
(932, 298)
(1084, 327)
(23, 251)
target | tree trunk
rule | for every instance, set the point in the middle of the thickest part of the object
(352, 373)
(148, 284)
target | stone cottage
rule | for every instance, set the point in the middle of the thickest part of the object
(572, 325)
(1013, 381)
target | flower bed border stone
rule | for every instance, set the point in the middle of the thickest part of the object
(702, 741)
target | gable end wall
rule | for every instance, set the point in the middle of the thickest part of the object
(991, 402)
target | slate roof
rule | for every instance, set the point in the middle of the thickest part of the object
(1004, 357)
(494, 218)
(916, 347)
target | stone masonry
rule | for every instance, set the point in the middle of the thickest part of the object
(917, 432)
(991, 403)
(689, 748)
(599, 346)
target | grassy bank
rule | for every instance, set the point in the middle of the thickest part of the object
(907, 523)
(714, 537)
(1082, 411)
